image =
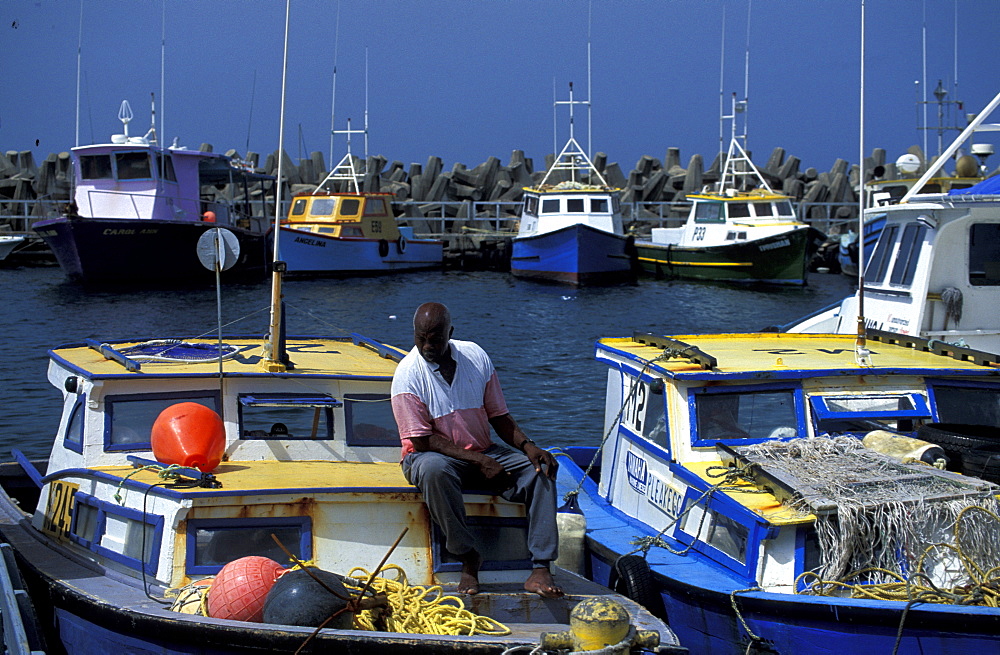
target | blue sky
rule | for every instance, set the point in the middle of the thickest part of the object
(466, 80)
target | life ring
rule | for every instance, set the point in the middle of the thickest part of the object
(383, 247)
(631, 576)
(401, 244)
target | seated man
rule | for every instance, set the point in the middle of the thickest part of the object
(445, 397)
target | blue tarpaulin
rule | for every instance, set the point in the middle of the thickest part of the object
(988, 187)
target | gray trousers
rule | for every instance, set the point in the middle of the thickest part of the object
(441, 478)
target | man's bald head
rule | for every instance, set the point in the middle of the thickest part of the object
(432, 330)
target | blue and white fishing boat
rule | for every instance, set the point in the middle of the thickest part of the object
(935, 270)
(8, 243)
(139, 210)
(571, 228)
(351, 233)
(759, 489)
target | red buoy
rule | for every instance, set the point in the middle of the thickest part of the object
(208, 217)
(240, 589)
(189, 434)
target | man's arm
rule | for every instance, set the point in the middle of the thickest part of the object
(508, 430)
(491, 469)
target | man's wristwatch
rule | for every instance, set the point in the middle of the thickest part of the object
(526, 441)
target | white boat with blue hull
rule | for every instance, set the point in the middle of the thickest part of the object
(722, 494)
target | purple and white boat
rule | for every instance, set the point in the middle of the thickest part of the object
(139, 210)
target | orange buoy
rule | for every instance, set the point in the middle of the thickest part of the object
(189, 434)
(241, 587)
(208, 217)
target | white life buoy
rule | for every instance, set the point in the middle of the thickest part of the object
(401, 244)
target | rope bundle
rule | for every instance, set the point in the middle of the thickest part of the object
(421, 610)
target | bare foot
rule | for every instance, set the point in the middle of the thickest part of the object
(469, 582)
(541, 582)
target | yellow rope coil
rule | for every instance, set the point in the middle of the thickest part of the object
(421, 610)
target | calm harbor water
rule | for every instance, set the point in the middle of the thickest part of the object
(540, 336)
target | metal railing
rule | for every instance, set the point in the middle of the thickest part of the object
(446, 217)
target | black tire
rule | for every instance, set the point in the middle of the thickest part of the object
(959, 441)
(631, 577)
(383, 247)
(983, 462)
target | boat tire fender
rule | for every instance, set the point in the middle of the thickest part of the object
(401, 244)
(383, 247)
(631, 576)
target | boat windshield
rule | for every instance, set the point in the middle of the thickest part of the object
(756, 415)
(967, 405)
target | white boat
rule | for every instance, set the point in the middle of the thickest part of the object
(8, 243)
(935, 270)
(739, 231)
(571, 230)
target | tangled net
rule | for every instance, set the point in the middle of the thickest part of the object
(420, 610)
(886, 529)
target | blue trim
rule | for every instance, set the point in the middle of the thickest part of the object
(384, 350)
(110, 400)
(26, 465)
(288, 400)
(304, 523)
(114, 355)
(799, 409)
(137, 461)
(68, 443)
(799, 562)
(105, 509)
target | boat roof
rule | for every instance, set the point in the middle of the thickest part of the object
(777, 356)
(350, 356)
(569, 188)
(757, 195)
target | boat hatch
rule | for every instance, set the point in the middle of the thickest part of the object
(863, 413)
(747, 414)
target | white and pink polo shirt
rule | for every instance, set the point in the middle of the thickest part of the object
(424, 404)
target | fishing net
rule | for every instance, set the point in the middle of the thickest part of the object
(879, 520)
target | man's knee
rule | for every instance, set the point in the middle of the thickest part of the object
(431, 467)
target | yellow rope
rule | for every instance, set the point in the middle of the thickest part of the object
(983, 590)
(421, 610)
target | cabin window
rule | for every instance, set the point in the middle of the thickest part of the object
(861, 413)
(708, 212)
(784, 208)
(531, 205)
(286, 416)
(984, 254)
(598, 205)
(299, 206)
(643, 412)
(908, 254)
(165, 164)
(133, 166)
(763, 209)
(73, 439)
(213, 543)
(125, 535)
(616, 204)
(349, 206)
(326, 230)
(376, 207)
(738, 210)
(95, 167)
(655, 425)
(879, 262)
(758, 415)
(719, 531)
(966, 404)
(574, 205)
(550, 206)
(323, 207)
(370, 421)
(351, 232)
(129, 421)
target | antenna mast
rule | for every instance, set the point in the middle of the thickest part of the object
(861, 354)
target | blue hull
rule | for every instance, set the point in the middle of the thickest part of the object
(126, 251)
(309, 253)
(697, 597)
(578, 254)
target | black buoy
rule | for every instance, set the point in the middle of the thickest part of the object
(297, 599)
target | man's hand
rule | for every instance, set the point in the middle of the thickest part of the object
(541, 458)
(496, 475)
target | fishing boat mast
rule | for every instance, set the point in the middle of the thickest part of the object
(273, 356)
(861, 353)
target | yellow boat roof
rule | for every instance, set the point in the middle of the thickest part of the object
(775, 355)
(757, 195)
(752, 497)
(274, 477)
(351, 356)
